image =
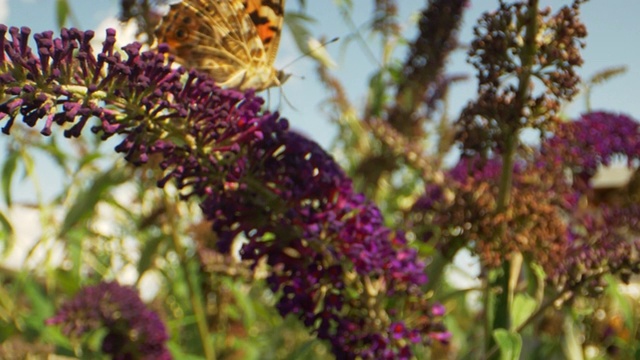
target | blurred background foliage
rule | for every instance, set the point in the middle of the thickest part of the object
(109, 221)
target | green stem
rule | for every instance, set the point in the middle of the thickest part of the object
(502, 304)
(493, 351)
(194, 294)
(506, 276)
(563, 295)
(436, 271)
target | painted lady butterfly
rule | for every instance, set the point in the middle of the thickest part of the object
(235, 41)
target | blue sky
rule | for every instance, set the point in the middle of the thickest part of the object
(613, 35)
(612, 41)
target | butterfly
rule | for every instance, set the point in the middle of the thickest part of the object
(235, 41)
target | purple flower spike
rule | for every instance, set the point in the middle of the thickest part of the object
(327, 245)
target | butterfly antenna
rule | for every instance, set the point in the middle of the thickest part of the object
(310, 51)
(268, 98)
(283, 96)
(307, 53)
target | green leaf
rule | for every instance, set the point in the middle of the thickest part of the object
(53, 335)
(5, 234)
(572, 345)
(66, 280)
(147, 254)
(377, 90)
(245, 306)
(510, 344)
(40, 304)
(7, 331)
(89, 198)
(5, 224)
(621, 301)
(523, 306)
(540, 276)
(178, 352)
(8, 170)
(297, 23)
(303, 351)
(62, 12)
(28, 162)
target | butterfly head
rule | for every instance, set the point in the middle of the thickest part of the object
(282, 76)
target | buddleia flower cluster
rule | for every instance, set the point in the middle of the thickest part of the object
(333, 264)
(504, 198)
(556, 218)
(526, 61)
(603, 235)
(133, 331)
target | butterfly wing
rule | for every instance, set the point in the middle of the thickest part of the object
(215, 36)
(268, 18)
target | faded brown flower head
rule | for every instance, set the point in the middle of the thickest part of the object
(526, 62)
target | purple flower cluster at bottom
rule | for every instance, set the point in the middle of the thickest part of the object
(133, 331)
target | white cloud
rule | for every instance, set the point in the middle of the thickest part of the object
(4, 10)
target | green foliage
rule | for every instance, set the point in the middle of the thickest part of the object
(8, 171)
(510, 344)
(599, 78)
(298, 25)
(523, 308)
(62, 12)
